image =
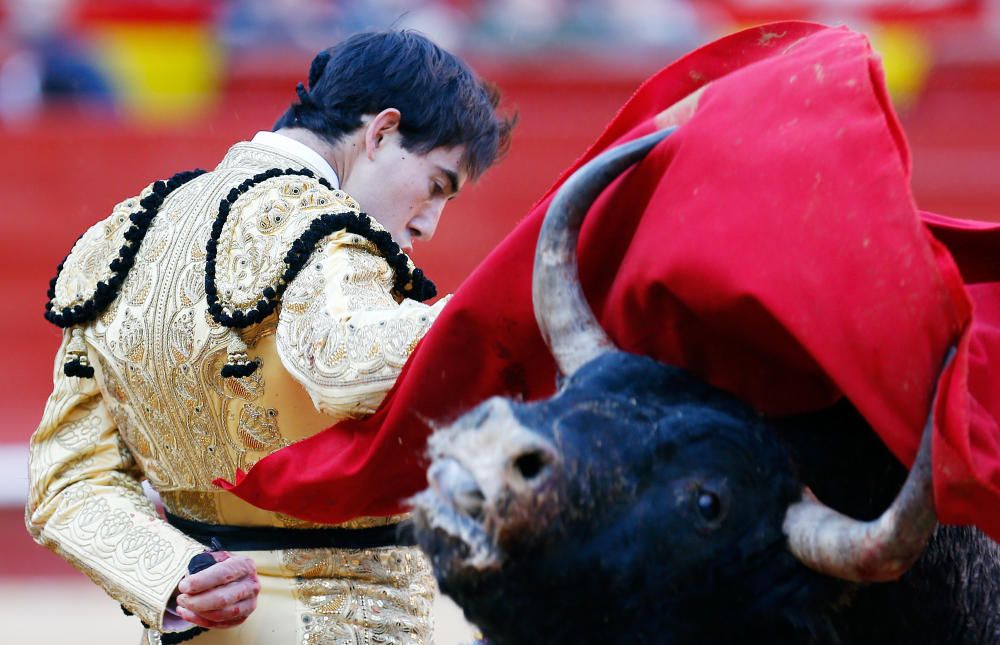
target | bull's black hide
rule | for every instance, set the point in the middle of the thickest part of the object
(648, 508)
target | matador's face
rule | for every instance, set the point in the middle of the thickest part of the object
(404, 191)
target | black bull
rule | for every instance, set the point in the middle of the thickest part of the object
(641, 505)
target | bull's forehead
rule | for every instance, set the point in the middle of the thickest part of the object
(619, 374)
(636, 411)
(617, 405)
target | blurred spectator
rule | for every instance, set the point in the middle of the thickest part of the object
(601, 26)
(305, 24)
(47, 62)
(310, 25)
(49, 58)
(511, 26)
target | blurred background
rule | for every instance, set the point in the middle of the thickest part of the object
(100, 97)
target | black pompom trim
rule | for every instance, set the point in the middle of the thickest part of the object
(240, 370)
(75, 368)
(411, 284)
(107, 291)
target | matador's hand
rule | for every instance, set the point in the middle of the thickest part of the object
(221, 596)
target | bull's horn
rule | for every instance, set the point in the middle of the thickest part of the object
(567, 324)
(880, 550)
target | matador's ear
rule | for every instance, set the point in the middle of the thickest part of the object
(317, 67)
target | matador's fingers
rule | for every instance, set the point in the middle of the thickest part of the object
(219, 598)
(218, 574)
(237, 612)
(200, 621)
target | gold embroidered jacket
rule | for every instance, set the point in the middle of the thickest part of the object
(158, 408)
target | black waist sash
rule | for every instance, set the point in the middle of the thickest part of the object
(268, 538)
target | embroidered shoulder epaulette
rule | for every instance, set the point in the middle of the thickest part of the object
(83, 286)
(258, 245)
(254, 251)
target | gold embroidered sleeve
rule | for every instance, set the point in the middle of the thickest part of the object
(341, 332)
(86, 504)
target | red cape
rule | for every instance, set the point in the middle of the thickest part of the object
(771, 246)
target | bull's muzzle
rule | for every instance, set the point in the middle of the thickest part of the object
(456, 485)
(492, 469)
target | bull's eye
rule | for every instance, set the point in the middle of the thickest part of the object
(709, 505)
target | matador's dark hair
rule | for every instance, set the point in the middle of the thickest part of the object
(440, 100)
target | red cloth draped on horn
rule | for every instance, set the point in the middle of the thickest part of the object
(771, 245)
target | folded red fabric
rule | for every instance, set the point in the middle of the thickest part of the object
(771, 245)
